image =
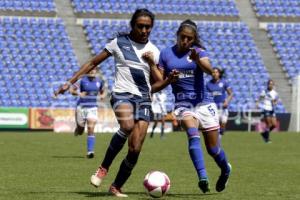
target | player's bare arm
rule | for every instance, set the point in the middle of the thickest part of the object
(203, 63)
(229, 97)
(159, 85)
(85, 68)
(154, 71)
(75, 92)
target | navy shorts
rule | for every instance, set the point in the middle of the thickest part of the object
(141, 105)
(268, 113)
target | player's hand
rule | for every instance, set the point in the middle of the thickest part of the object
(173, 76)
(62, 89)
(194, 54)
(149, 58)
(82, 94)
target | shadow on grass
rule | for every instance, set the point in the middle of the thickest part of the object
(63, 157)
(143, 195)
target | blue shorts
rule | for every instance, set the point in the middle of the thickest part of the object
(141, 105)
(268, 113)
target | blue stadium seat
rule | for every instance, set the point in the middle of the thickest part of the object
(200, 7)
(29, 62)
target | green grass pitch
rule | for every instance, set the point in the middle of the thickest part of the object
(44, 165)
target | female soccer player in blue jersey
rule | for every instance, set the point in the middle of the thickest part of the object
(194, 105)
(222, 94)
(87, 89)
(135, 72)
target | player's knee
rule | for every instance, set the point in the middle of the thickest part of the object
(135, 147)
(213, 151)
(192, 132)
(127, 127)
(272, 127)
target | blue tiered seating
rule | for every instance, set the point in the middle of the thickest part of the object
(28, 5)
(277, 8)
(230, 45)
(177, 7)
(35, 56)
(285, 40)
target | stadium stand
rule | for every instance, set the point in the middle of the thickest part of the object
(230, 45)
(285, 40)
(35, 53)
(28, 5)
(174, 7)
(277, 8)
(33, 49)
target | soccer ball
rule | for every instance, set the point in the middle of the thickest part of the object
(156, 183)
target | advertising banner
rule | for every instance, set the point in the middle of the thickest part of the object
(14, 118)
(41, 118)
(64, 121)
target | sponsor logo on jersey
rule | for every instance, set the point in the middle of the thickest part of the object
(127, 48)
(186, 74)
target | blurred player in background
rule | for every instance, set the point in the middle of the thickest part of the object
(136, 61)
(87, 89)
(159, 111)
(268, 99)
(194, 105)
(222, 94)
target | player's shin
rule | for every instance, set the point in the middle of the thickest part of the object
(126, 168)
(196, 153)
(220, 158)
(90, 143)
(116, 144)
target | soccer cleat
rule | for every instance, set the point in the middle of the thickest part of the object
(223, 180)
(204, 185)
(97, 178)
(90, 154)
(113, 190)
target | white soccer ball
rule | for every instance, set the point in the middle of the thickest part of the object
(157, 183)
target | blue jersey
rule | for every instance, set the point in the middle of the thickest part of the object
(190, 89)
(218, 90)
(92, 88)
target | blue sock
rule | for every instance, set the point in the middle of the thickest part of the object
(220, 158)
(196, 153)
(116, 144)
(91, 143)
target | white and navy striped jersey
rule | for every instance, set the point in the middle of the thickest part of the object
(132, 73)
(268, 96)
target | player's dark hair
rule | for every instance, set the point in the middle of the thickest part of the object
(138, 13)
(141, 12)
(192, 25)
(270, 80)
(221, 71)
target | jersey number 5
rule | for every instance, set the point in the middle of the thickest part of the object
(211, 110)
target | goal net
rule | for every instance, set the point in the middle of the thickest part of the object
(295, 111)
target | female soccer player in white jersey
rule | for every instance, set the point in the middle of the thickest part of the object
(135, 72)
(222, 94)
(88, 89)
(194, 106)
(159, 112)
(269, 100)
